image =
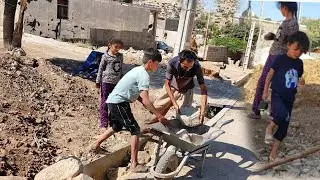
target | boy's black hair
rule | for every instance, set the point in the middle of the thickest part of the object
(151, 54)
(187, 55)
(301, 39)
(292, 6)
(115, 40)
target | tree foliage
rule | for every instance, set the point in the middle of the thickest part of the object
(233, 44)
(234, 37)
(313, 26)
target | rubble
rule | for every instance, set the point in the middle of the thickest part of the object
(31, 103)
(64, 169)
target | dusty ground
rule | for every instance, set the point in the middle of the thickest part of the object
(45, 113)
(304, 130)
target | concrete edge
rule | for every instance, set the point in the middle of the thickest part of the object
(13, 178)
(211, 122)
(243, 80)
(97, 169)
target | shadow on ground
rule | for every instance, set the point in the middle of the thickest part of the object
(228, 162)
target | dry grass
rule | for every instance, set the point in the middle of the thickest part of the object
(307, 96)
(251, 85)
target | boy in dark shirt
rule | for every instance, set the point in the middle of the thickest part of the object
(285, 75)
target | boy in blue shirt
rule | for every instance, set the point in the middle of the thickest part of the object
(285, 76)
(133, 86)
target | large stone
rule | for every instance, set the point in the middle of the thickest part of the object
(143, 157)
(12, 178)
(122, 171)
(64, 169)
(18, 52)
(83, 177)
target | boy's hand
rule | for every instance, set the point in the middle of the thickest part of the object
(265, 95)
(97, 85)
(270, 36)
(176, 107)
(301, 82)
(163, 120)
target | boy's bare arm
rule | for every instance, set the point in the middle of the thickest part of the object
(204, 99)
(144, 95)
(267, 84)
(170, 94)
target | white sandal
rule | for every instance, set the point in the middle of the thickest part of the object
(268, 139)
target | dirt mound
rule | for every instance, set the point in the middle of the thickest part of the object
(34, 94)
(304, 127)
(307, 96)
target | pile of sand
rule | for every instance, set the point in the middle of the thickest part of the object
(307, 96)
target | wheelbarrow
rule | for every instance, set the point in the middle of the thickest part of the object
(187, 141)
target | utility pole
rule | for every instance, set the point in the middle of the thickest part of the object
(249, 12)
(248, 49)
(260, 29)
(299, 12)
(186, 22)
(206, 35)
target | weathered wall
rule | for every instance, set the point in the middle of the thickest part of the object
(172, 24)
(169, 26)
(136, 40)
(124, 21)
(171, 37)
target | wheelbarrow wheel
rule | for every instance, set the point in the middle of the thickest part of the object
(168, 162)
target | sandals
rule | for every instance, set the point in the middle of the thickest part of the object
(268, 139)
(139, 169)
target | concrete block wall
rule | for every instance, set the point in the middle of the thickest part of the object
(84, 16)
(171, 37)
(136, 40)
(216, 54)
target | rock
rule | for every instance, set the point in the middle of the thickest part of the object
(33, 144)
(149, 147)
(297, 162)
(264, 159)
(64, 169)
(305, 170)
(293, 171)
(18, 73)
(143, 157)
(122, 171)
(262, 150)
(316, 174)
(83, 177)
(12, 178)
(38, 121)
(3, 152)
(295, 124)
(4, 119)
(18, 52)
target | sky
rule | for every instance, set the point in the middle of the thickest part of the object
(308, 9)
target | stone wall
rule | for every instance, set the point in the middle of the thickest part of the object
(123, 20)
